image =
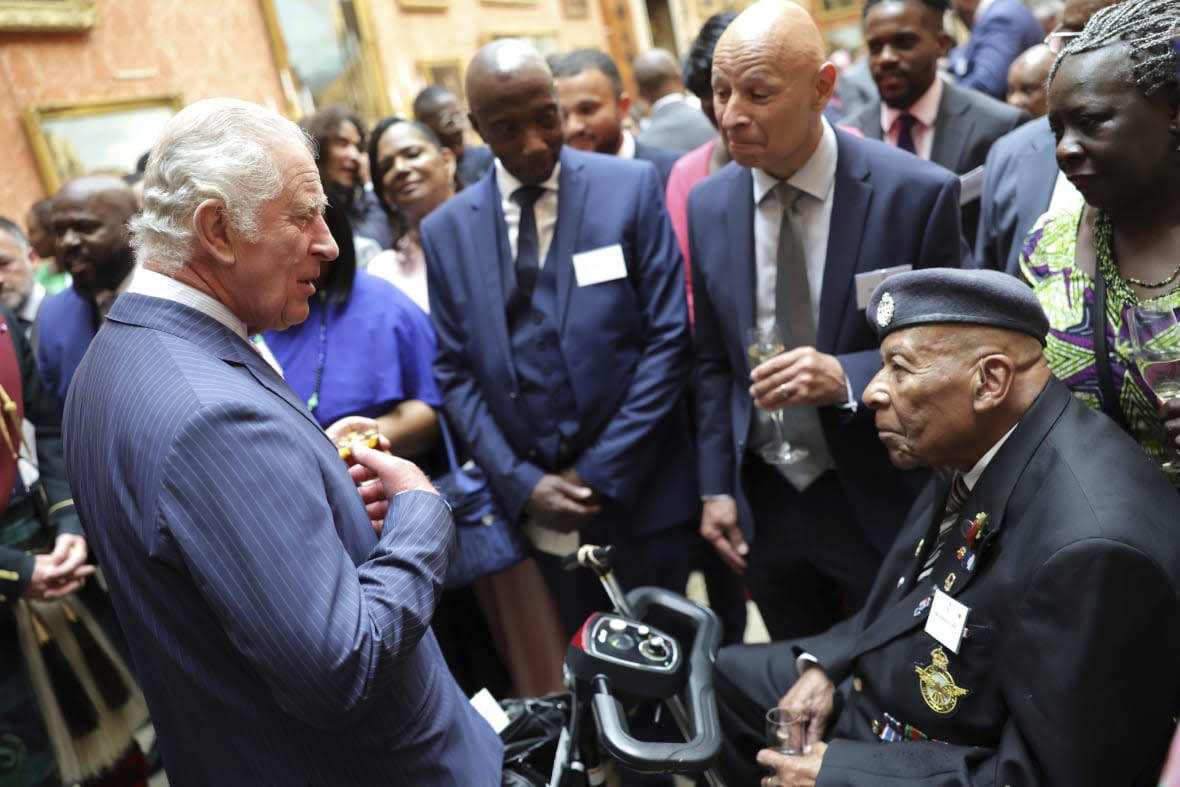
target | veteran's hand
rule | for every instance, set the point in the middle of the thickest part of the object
(812, 696)
(61, 572)
(562, 505)
(1170, 414)
(802, 375)
(792, 770)
(719, 526)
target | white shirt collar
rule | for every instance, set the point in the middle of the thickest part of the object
(814, 178)
(159, 285)
(627, 148)
(508, 184)
(972, 475)
(28, 310)
(663, 101)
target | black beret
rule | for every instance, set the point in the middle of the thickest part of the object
(950, 295)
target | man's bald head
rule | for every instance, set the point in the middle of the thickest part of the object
(1028, 78)
(657, 74)
(771, 82)
(514, 107)
(90, 216)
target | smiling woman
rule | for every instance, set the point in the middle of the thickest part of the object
(1113, 98)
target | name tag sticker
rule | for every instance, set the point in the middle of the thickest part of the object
(948, 619)
(599, 265)
(867, 282)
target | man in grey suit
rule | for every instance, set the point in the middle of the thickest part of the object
(280, 621)
(919, 112)
(675, 123)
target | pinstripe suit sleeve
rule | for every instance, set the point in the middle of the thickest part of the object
(246, 506)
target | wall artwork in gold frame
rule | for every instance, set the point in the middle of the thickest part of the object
(107, 135)
(47, 16)
(443, 71)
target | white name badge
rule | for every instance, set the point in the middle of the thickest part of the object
(947, 620)
(599, 265)
(867, 282)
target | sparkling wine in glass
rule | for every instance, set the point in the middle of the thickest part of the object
(762, 345)
(1155, 332)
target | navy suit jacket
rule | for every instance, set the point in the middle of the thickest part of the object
(1019, 178)
(1004, 30)
(625, 343)
(660, 158)
(889, 208)
(66, 324)
(277, 639)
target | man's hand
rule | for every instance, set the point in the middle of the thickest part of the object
(561, 504)
(719, 526)
(792, 770)
(61, 572)
(803, 375)
(347, 431)
(811, 697)
(380, 476)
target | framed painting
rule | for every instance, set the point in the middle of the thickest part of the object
(544, 41)
(445, 72)
(325, 54)
(47, 16)
(575, 9)
(832, 9)
(95, 136)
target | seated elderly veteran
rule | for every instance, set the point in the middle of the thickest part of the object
(1025, 626)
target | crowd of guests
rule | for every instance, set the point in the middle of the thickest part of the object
(948, 256)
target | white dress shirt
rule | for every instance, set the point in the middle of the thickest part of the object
(544, 209)
(924, 110)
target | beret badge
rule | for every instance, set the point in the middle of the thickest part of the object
(885, 310)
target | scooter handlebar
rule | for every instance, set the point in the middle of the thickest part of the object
(691, 756)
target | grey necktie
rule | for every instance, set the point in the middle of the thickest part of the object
(792, 313)
(954, 502)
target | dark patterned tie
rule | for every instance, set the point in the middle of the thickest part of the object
(954, 502)
(528, 246)
(905, 132)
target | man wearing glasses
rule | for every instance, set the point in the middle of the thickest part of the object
(441, 110)
(1021, 178)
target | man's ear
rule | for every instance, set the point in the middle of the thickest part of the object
(825, 85)
(449, 162)
(211, 226)
(945, 43)
(992, 381)
(624, 102)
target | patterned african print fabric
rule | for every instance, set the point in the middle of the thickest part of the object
(1067, 295)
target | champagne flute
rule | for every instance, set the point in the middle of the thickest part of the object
(1156, 336)
(762, 345)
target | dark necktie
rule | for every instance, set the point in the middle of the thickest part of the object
(954, 502)
(905, 132)
(528, 246)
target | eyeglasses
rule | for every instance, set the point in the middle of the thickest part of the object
(452, 120)
(1058, 39)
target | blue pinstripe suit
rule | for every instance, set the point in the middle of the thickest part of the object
(273, 647)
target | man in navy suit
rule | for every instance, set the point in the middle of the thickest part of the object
(854, 208)
(1000, 30)
(594, 105)
(557, 294)
(279, 620)
(90, 216)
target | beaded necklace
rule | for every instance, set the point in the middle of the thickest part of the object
(1107, 268)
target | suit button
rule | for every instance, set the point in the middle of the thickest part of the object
(532, 453)
(876, 727)
(900, 581)
(857, 684)
(514, 396)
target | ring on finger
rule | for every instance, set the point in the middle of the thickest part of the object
(783, 392)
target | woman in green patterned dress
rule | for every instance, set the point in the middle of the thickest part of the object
(1114, 106)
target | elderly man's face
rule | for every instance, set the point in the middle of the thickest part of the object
(274, 275)
(593, 114)
(767, 110)
(16, 272)
(90, 224)
(923, 399)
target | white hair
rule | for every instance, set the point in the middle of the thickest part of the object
(220, 149)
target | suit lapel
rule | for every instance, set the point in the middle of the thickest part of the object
(950, 130)
(491, 282)
(571, 207)
(850, 204)
(736, 235)
(1036, 188)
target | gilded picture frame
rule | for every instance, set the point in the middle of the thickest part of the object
(544, 41)
(837, 9)
(47, 16)
(107, 135)
(575, 9)
(443, 71)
